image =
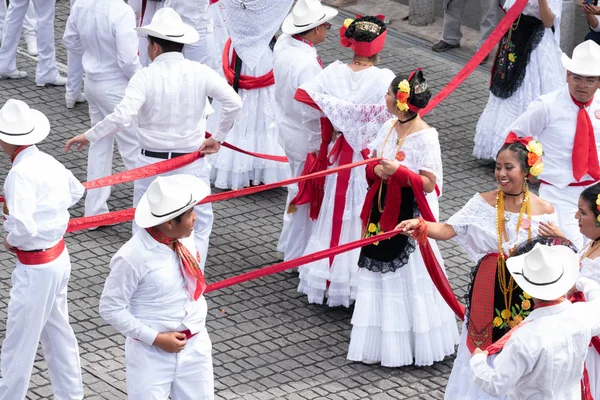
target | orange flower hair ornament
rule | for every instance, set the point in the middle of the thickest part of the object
(402, 95)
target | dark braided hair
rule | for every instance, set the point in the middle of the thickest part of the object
(362, 35)
(590, 195)
(418, 100)
(519, 151)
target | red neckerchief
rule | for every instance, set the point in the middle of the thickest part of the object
(549, 303)
(311, 44)
(585, 155)
(190, 267)
(16, 152)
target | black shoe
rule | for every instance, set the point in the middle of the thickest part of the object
(484, 60)
(443, 46)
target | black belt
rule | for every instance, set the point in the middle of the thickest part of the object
(162, 155)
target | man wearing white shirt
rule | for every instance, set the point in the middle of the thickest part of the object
(545, 354)
(296, 62)
(153, 296)
(38, 192)
(567, 123)
(103, 34)
(167, 103)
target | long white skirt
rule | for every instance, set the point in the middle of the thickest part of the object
(254, 130)
(544, 74)
(460, 384)
(400, 318)
(343, 273)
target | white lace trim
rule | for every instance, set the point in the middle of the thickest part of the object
(590, 268)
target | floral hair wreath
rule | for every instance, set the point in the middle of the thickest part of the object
(404, 90)
(535, 152)
(598, 208)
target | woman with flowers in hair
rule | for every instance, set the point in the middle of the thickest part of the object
(488, 228)
(399, 317)
(351, 99)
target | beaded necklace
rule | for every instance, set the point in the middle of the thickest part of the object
(507, 288)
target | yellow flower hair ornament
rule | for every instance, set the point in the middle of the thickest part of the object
(534, 157)
(598, 208)
(402, 95)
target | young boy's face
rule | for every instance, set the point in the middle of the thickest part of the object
(184, 228)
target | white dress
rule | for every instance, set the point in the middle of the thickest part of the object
(399, 317)
(590, 268)
(476, 233)
(543, 74)
(354, 103)
(255, 130)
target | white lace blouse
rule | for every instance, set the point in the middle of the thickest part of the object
(590, 268)
(476, 233)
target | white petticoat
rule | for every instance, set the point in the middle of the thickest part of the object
(400, 318)
(343, 274)
(543, 74)
(460, 383)
(255, 130)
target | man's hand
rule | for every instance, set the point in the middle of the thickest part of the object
(210, 146)
(9, 247)
(590, 9)
(171, 342)
(79, 140)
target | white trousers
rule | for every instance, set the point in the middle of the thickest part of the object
(153, 374)
(145, 19)
(37, 312)
(565, 204)
(297, 226)
(204, 213)
(46, 71)
(29, 22)
(102, 97)
(74, 74)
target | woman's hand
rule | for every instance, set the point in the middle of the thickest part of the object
(590, 9)
(390, 166)
(549, 229)
(379, 171)
(408, 226)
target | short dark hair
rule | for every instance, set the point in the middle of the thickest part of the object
(519, 150)
(180, 216)
(419, 100)
(590, 196)
(167, 46)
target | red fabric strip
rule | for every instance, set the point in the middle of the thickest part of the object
(584, 183)
(41, 257)
(483, 51)
(247, 82)
(319, 255)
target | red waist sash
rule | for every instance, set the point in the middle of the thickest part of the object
(246, 82)
(41, 257)
(584, 183)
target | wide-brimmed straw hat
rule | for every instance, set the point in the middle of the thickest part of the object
(585, 61)
(545, 272)
(167, 24)
(306, 15)
(168, 197)
(20, 125)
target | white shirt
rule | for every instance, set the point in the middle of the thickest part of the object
(145, 292)
(552, 119)
(167, 100)
(295, 63)
(103, 33)
(38, 191)
(544, 358)
(192, 12)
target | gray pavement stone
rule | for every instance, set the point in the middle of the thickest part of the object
(268, 342)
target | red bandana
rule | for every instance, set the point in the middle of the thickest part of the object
(311, 44)
(190, 267)
(585, 154)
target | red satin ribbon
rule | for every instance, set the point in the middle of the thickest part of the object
(246, 82)
(585, 154)
(480, 54)
(513, 138)
(41, 257)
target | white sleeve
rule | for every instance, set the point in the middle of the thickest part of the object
(119, 287)
(127, 44)
(21, 201)
(71, 38)
(231, 103)
(76, 188)
(532, 122)
(597, 28)
(591, 291)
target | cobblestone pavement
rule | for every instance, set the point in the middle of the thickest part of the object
(268, 342)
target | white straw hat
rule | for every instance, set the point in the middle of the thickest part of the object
(168, 197)
(167, 24)
(306, 15)
(585, 61)
(20, 125)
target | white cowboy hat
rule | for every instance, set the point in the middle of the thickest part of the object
(168, 197)
(20, 125)
(585, 61)
(545, 272)
(167, 24)
(306, 15)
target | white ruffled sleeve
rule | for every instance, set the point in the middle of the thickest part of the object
(429, 159)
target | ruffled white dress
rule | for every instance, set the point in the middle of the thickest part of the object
(476, 233)
(354, 103)
(543, 74)
(255, 130)
(590, 268)
(399, 317)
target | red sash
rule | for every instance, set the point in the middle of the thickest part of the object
(246, 82)
(41, 257)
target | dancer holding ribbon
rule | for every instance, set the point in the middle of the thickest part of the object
(38, 193)
(567, 124)
(351, 96)
(488, 227)
(153, 296)
(526, 66)
(399, 317)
